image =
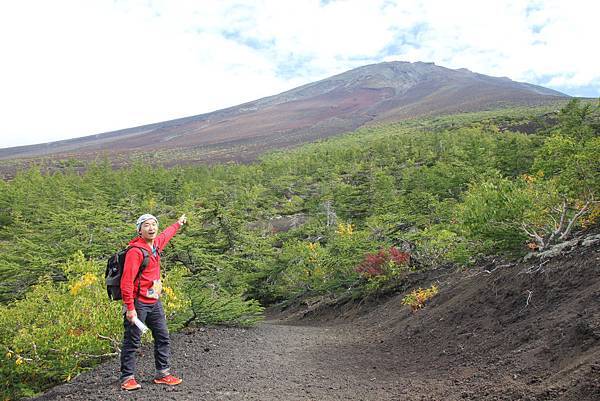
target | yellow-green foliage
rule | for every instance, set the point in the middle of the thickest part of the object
(493, 210)
(417, 298)
(309, 266)
(174, 299)
(60, 329)
(213, 306)
(436, 245)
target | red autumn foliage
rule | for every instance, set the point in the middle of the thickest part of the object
(399, 257)
(374, 264)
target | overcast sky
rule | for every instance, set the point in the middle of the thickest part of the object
(76, 68)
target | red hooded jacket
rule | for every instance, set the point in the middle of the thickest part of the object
(133, 261)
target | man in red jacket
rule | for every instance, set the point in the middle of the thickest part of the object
(141, 299)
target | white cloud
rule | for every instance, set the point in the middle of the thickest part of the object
(74, 68)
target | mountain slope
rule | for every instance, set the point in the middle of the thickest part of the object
(380, 92)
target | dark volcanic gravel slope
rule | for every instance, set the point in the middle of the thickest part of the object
(527, 331)
(270, 362)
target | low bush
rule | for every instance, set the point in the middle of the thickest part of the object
(378, 269)
(417, 298)
(58, 330)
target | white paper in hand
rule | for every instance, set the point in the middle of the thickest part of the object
(143, 328)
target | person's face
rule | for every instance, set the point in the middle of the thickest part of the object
(149, 229)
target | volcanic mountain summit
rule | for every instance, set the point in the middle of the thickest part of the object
(388, 91)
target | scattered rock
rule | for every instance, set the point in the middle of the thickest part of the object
(591, 240)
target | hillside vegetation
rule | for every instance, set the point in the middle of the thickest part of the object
(347, 217)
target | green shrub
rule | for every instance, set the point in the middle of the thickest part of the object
(57, 330)
(492, 212)
(211, 305)
(437, 245)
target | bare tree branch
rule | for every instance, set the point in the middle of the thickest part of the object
(562, 228)
(536, 237)
(580, 213)
(114, 342)
(563, 214)
(81, 354)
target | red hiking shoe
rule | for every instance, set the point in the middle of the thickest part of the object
(130, 385)
(169, 380)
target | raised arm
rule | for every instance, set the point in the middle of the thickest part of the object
(164, 237)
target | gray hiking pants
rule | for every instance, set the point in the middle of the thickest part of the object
(153, 316)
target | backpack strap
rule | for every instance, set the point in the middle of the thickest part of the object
(142, 266)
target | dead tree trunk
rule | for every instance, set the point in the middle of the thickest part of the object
(562, 227)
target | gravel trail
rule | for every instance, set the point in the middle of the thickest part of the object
(269, 362)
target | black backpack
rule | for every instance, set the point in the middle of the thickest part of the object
(114, 271)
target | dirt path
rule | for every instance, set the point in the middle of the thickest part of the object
(269, 362)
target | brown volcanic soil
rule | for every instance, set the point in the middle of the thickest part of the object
(525, 331)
